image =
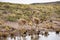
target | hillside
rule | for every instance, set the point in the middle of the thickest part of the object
(23, 16)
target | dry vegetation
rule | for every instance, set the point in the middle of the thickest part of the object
(42, 16)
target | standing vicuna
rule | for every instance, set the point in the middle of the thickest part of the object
(36, 22)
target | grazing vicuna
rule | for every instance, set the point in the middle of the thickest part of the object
(22, 21)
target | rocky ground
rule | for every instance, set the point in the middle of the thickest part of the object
(13, 28)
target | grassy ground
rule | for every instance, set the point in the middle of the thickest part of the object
(23, 16)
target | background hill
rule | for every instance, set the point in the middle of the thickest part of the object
(57, 2)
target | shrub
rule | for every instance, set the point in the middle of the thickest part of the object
(11, 18)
